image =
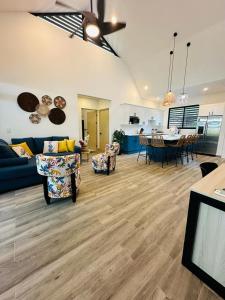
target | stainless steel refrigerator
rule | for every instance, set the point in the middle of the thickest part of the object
(208, 129)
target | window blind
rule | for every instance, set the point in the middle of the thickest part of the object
(184, 117)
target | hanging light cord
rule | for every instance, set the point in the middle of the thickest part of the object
(186, 62)
(168, 86)
(174, 45)
(91, 5)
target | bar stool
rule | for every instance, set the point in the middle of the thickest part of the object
(179, 148)
(144, 145)
(157, 143)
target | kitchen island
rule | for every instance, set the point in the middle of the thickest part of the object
(131, 142)
(204, 245)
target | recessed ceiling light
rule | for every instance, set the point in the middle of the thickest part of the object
(205, 89)
(145, 87)
(114, 20)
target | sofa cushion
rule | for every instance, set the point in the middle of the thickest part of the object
(39, 143)
(5, 162)
(29, 141)
(59, 138)
(6, 152)
(12, 172)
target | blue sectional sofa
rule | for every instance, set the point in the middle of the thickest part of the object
(18, 172)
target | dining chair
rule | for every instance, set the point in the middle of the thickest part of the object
(144, 146)
(158, 145)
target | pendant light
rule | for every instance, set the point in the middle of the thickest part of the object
(170, 98)
(183, 97)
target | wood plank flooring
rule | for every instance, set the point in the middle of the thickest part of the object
(122, 240)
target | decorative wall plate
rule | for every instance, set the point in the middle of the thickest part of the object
(57, 116)
(35, 118)
(60, 102)
(27, 101)
(42, 109)
(46, 100)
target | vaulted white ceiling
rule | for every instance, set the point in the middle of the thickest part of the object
(145, 44)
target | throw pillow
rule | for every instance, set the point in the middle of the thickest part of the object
(21, 152)
(70, 145)
(25, 147)
(50, 147)
(62, 146)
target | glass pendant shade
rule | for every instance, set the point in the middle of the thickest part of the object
(169, 99)
(183, 98)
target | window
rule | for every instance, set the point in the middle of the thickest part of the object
(184, 117)
(72, 23)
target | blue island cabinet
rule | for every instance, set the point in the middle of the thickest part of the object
(131, 144)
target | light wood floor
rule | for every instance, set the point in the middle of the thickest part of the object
(122, 240)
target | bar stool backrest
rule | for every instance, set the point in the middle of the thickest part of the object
(189, 139)
(143, 140)
(157, 140)
(181, 141)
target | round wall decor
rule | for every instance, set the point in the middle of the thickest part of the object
(46, 100)
(57, 116)
(42, 109)
(59, 102)
(35, 118)
(27, 102)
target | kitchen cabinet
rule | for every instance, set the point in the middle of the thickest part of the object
(211, 109)
(131, 144)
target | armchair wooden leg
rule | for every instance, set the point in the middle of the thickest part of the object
(45, 188)
(74, 188)
(108, 165)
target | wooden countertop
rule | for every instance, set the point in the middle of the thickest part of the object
(207, 185)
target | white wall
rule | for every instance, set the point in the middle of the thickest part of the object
(149, 118)
(37, 57)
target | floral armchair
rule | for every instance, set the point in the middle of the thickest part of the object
(61, 175)
(106, 162)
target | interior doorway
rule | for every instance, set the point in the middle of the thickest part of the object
(90, 128)
(95, 114)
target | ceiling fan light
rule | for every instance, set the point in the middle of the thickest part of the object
(169, 99)
(92, 30)
(114, 20)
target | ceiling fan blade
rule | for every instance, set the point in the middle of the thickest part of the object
(101, 10)
(64, 5)
(108, 27)
(97, 40)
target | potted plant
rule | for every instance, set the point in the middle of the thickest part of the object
(118, 136)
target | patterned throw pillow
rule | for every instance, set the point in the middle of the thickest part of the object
(25, 147)
(21, 152)
(50, 147)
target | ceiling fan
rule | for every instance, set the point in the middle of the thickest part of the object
(94, 26)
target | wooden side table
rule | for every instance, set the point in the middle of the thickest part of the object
(85, 151)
